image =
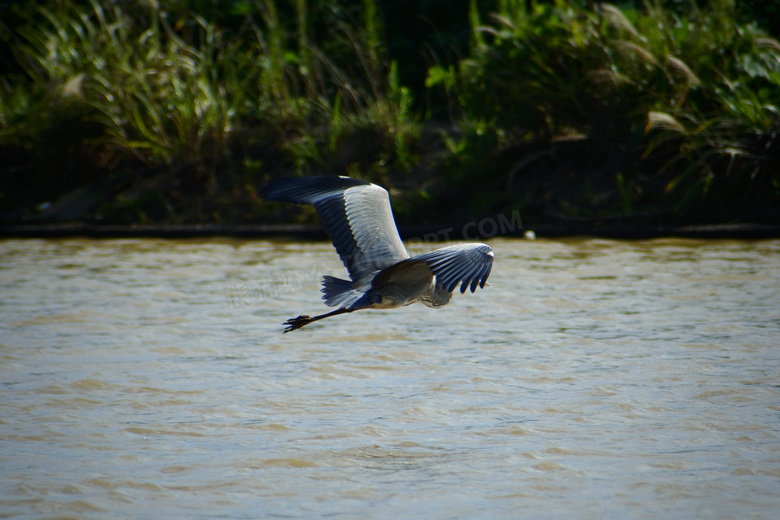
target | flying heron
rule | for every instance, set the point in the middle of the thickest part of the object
(359, 220)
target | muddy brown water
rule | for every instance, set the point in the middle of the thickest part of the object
(592, 379)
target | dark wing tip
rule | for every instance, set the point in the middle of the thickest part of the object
(307, 190)
(467, 265)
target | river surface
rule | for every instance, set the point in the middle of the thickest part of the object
(592, 379)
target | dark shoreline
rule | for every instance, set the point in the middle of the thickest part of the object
(748, 231)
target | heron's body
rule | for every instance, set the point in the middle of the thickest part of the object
(359, 221)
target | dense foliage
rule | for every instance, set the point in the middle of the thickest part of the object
(176, 111)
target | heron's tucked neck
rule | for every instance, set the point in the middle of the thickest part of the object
(436, 297)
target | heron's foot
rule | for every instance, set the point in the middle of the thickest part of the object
(297, 323)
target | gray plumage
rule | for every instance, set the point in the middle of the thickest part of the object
(359, 220)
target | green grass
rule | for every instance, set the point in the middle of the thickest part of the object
(694, 94)
(169, 98)
(651, 107)
(166, 91)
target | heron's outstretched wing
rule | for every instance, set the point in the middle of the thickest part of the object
(356, 214)
(464, 264)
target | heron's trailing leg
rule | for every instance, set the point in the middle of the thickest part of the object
(300, 321)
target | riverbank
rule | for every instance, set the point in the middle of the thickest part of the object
(579, 118)
(431, 234)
